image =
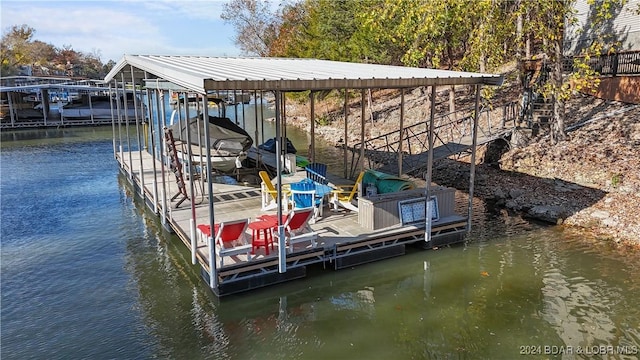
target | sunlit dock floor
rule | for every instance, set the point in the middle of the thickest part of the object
(341, 241)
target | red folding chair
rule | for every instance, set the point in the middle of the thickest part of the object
(296, 227)
(229, 237)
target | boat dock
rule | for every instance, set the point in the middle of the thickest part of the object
(342, 241)
(45, 102)
(259, 237)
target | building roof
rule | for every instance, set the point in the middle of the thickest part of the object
(201, 74)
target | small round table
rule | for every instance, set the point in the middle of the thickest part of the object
(258, 228)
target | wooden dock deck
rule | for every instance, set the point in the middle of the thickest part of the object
(342, 241)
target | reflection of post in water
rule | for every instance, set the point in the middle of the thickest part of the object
(427, 279)
(282, 313)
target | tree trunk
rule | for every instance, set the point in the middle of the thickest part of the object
(519, 33)
(527, 44)
(557, 131)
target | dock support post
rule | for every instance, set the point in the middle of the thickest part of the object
(257, 132)
(113, 120)
(44, 97)
(152, 139)
(213, 279)
(11, 108)
(192, 222)
(282, 251)
(312, 147)
(126, 124)
(362, 130)
(135, 111)
(194, 243)
(213, 272)
(401, 132)
(262, 115)
(346, 131)
(120, 146)
(91, 104)
(161, 125)
(472, 175)
(427, 195)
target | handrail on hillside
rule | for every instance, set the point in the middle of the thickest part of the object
(449, 129)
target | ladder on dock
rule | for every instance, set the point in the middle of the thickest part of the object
(176, 167)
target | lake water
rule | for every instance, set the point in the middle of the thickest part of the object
(87, 272)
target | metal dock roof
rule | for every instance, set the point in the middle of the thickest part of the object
(201, 74)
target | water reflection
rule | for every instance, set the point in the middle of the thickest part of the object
(485, 300)
(585, 307)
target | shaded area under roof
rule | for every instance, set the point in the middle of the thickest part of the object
(201, 74)
(30, 88)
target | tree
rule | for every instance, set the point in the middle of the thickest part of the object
(291, 33)
(255, 25)
(328, 29)
(18, 49)
(41, 54)
(107, 67)
(548, 22)
(89, 65)
(15, 48)
(448, 34)
(470, 35)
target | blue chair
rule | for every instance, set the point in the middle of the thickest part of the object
(317, 172)
(303, 195)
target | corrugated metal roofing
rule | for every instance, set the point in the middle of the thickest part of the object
(200, 74)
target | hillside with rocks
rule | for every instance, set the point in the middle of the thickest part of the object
(590, 181)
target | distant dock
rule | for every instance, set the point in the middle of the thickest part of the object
(45, 102)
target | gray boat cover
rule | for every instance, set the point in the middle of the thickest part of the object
(226, 137)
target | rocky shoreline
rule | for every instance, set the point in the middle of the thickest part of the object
(589, 181)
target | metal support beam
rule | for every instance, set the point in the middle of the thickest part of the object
(432, 115)
(151, 134)
(312, 147)
(400, 155)
(213, 271)
(91, 103)
(126, 120)
(135, 111)
(113, 119)
(346, 130)
(255, 113)
(282, 251)
(160, 94)
(362, 121)
(119, 113)
(188, 163)
(472, 175)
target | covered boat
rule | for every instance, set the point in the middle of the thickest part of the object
(229, 142)
(270, 146)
